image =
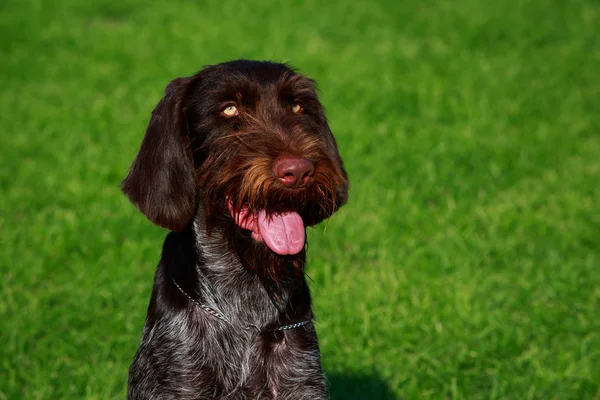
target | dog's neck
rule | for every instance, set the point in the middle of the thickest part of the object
(232, 281)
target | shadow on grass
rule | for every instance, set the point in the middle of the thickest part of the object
(355, 387)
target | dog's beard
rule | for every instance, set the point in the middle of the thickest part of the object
(276, 222)
(244, 194)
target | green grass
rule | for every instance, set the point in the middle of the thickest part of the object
(467, 262)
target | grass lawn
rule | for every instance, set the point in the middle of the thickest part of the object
(467, 262)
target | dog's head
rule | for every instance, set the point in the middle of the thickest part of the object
(249, 143)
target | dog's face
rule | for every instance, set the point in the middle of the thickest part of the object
(249, 143)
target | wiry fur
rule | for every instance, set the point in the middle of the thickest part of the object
(191, 161)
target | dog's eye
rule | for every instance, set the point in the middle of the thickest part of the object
(297, 107)
(230, 110)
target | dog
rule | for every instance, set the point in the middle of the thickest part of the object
(236, 162)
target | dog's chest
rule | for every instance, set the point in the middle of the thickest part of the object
(240, 363)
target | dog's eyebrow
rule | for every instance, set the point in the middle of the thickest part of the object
(298, 87)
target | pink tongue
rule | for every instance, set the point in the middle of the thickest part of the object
(283, 233)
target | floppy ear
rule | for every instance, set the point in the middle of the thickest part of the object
(161, 181)
(342, 189)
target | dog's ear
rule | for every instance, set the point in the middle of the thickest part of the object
(341, 192)
(161, 181)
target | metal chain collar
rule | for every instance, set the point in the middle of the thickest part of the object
(220, 316)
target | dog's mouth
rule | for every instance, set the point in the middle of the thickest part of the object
(283, 232)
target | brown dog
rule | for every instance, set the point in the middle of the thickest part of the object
(237, 161)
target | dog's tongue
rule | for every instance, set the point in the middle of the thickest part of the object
(283, 233)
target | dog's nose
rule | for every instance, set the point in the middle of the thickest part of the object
(294, 172)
